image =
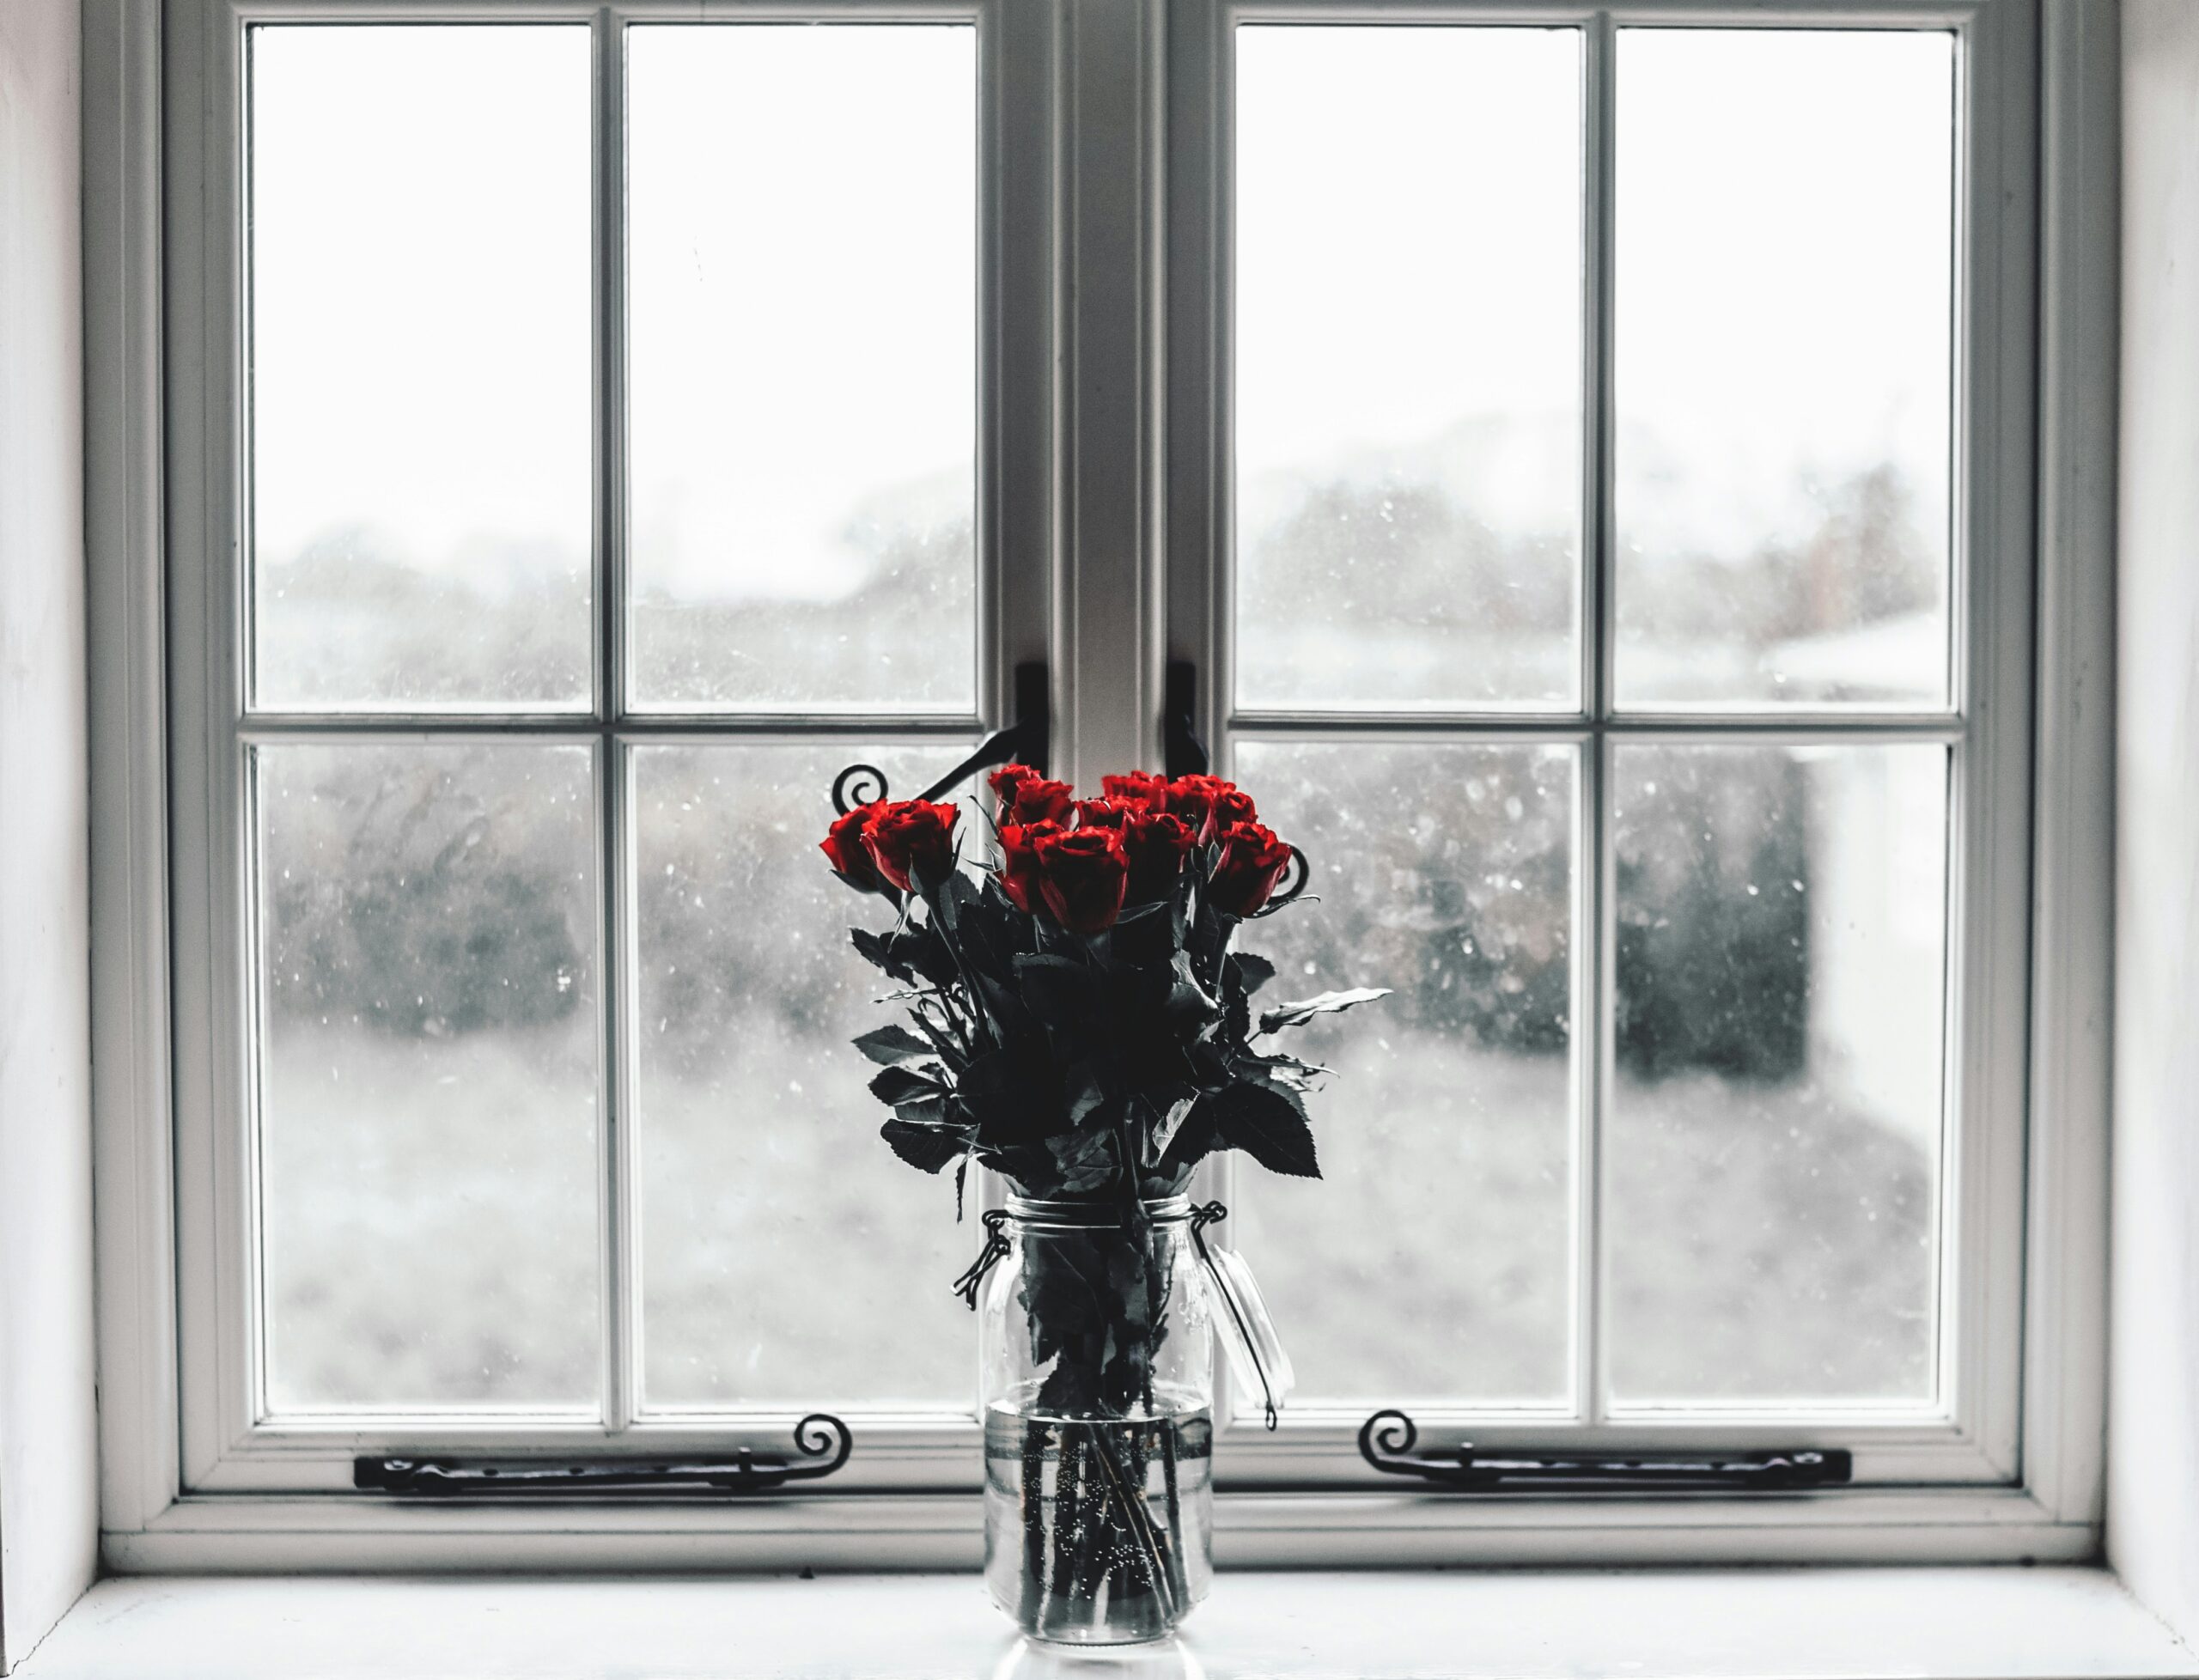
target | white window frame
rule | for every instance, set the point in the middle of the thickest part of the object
(1105, 449)
(228, 1446)
(1969, 1435)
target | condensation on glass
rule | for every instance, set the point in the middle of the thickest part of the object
(427, 1038)
(1774, 1146)
(1784, 309)
(802, 373)
(1434, 1256)
(421, 455)
(787, 1256)
(1408, 358)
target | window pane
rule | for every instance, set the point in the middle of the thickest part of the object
(420, 376)
(1408, 364)
(789, 1257)
(1774, 1136)
(802, 306)
(1785, 251)
(1434, 1259)
(427, 1079)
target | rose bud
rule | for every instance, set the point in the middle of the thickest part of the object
(1100, 813)
(1004, 782)
(912, 840)
(1035, 800)
(1252, 861)
(1232, 805)
(1082, 876)
(1019, 870)
(850, 858)
(1208, 805)
(1156, 844)
(1138, 788)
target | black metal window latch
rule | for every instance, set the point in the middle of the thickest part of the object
(1024, 741)
(1386, 1441)
(820, 1439)
(1184, 753)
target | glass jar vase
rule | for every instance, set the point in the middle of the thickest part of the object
(1098, 1388)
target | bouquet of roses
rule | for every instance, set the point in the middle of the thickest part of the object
(1078, 1020)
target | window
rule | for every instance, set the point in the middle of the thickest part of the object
(1586, 456)
(1593, 608)
(574, 566)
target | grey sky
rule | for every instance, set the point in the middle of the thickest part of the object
(803, 273)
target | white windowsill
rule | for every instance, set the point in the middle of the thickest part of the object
(1787, 1624)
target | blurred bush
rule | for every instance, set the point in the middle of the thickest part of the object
(429, 892)
(412, 923)
(1714, 970)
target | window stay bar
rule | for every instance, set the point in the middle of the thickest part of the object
(820, 1438)
(1386, 1441)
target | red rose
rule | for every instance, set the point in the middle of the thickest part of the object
(1231, 805)
(1156, 844)
(1004, 782)
(1252, 861)
(1208, 805)
(1019, 871)
(851, 861)
(1082, 876)
(911, 839)
(1138, 788)
(1100, 813)
(1034, 800)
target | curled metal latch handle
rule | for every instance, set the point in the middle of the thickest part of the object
(1387, 1439)
(822, 1441)
(1025, 740)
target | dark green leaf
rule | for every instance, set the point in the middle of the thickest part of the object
(925, 950)
(1289, 1070)
(989, 1076)
(1188, 1003)
(928, 1148)
(1255, 971)
(1193, 1136)
(1084, 1158)
(1060, 992)
(878, 950)
(1171, 1120)
(988, 937)
(948, 900)
(1297, 1015)
(1268, 1125)
(904, 1085)
(1081, 1086)
(892, 1045)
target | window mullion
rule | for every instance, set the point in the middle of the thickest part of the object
(1594, 930)
(1599, 199)
(619, 1280)
(1110, 624)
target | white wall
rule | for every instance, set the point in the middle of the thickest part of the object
(2153, 1501)
(48, 1497)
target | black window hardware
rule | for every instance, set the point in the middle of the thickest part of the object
(820, 1439)
(1386, 1441)
(1183, 753)
(1024, 741)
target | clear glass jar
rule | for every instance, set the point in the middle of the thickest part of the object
(1097, 1387)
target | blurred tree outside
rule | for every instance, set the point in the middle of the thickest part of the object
(415, 926)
